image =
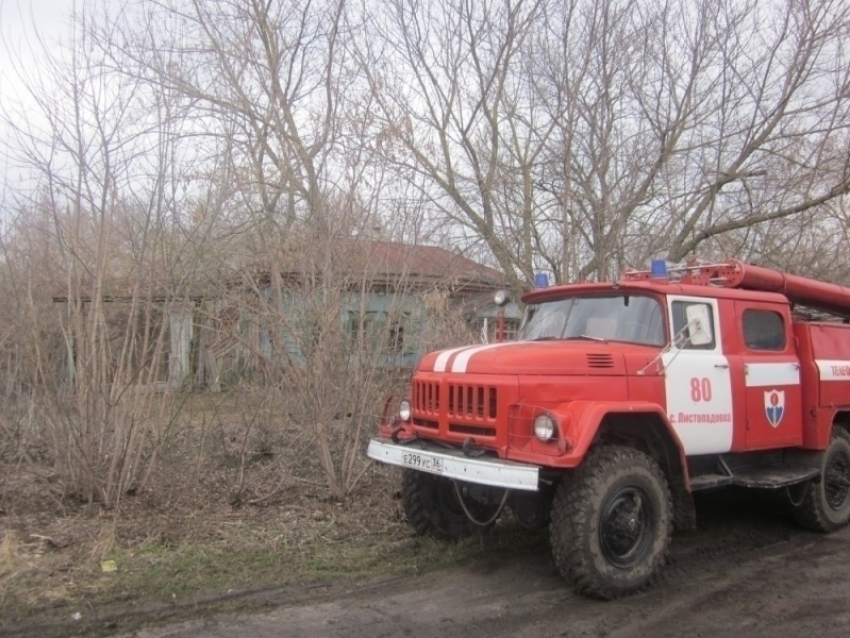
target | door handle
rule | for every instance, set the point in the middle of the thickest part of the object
(721, 365)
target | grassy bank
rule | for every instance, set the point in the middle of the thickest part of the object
(68, 568)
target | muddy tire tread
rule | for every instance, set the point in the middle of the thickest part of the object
(574, 503)
(810, 512)
(419, 502)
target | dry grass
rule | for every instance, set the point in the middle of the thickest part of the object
(187, 538)
(11, 562)
(51, 553)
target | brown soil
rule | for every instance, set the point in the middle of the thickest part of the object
(237, 536)
(177, 549)
(748, 570)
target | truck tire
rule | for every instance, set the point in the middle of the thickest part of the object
(431, 505)
(611, 523)
(825, 502)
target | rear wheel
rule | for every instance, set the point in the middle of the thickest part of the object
(433, 508)
(611, 523)
(824, 505)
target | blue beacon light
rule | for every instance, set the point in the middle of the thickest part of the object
(658, 269)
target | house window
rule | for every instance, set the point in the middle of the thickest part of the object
(361, 325)
(396, 337)
(512, 329)
(372, 330)
(488, 329)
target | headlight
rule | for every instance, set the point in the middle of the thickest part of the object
(544, 427)
(404, 410)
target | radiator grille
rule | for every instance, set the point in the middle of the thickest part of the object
(426, 397)
(459, 400)
(473, 401)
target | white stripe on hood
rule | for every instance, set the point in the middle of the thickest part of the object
(462, 360)
(444, 356)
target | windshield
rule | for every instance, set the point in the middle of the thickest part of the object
(622, 317)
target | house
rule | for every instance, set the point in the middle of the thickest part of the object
(372, 302)
(369, 302)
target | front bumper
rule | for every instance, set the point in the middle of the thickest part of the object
(454, 464)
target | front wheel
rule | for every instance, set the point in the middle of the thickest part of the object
(611, 523)
(824, 505)
(433, 508)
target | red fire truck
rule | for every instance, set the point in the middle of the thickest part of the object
(621, 399)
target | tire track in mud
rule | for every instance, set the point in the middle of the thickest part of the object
(793, 588)
(748, 571)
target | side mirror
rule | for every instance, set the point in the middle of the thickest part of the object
(699, 325)
(502, 298)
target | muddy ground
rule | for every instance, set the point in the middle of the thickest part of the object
(747, 571)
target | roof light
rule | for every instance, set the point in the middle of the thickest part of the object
(658, 269)
(541, 280)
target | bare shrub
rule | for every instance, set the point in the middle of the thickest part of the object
(97, 233)
(331, 331)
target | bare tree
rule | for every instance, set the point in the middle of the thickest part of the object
(583, 136)
(781, 121)
(103, 231)
(456, 112)
(272, 80)
(185, 156)
(679, 124)
(292, 116)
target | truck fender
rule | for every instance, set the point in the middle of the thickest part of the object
(588, 422)
(582, 425)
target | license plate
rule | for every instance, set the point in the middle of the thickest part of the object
(423, 462)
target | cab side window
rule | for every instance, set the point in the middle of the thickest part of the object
(763, 330)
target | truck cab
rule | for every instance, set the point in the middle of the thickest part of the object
(617, 401)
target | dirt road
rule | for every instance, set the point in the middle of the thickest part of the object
(748, 571)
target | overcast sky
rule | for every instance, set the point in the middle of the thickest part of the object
(20, 21)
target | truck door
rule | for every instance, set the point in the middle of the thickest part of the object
(771, 376)
(697, 378)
